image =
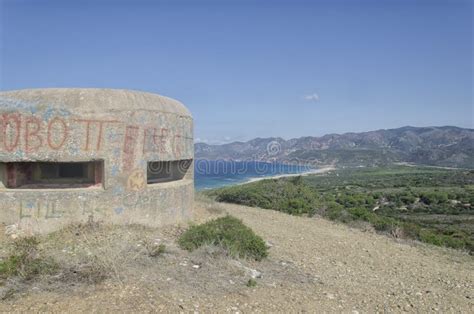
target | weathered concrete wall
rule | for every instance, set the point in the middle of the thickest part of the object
(124, 129)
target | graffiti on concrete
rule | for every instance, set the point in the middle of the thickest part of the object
(136, 181)
(38, 209)
(70, 154)
(32, 134)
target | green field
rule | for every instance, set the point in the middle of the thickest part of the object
(428, 204)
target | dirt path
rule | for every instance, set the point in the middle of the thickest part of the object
(314, 265)
(365, 271)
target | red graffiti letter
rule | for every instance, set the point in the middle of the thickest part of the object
(99, 139)
(64, 133)
(100, 131)
(88, 126)
(32, 128)
(130, 142)
(178, 145)
(163, 137)
(7, 122)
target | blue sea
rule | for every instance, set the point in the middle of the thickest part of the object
(210, 174)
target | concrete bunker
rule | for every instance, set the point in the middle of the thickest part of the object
(69, 155)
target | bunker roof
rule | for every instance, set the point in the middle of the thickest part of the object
(83, 100)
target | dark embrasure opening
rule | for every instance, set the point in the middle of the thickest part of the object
(54, 175)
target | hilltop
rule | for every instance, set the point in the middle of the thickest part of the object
(445, 146)
(313, 264)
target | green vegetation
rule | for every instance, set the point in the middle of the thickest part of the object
(428, 204)
(24, 260)
(227, 232)
(154, 249)
(251, 283)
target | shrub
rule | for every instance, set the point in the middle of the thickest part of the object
(411, 230)
(430, 237)
(251, 283)
(453, 242)
(381, 223)
(154, 249)
(334, 211)
(292, 196)
(360, 213)
(24, 260)
(227, 232)
(296, 206)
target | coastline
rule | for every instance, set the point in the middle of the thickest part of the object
(279, 176)
(225, 182)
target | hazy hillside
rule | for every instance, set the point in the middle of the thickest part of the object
(441, 146)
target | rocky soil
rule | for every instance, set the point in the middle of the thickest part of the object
(313, 265)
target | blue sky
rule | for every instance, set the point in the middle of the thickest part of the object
(256, 68)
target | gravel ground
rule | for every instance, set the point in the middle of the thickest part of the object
(314, 265)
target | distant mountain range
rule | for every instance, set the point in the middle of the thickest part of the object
(439, 146)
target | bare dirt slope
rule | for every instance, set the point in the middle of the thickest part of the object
(314, 265)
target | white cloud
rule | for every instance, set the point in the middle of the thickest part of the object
(312, 97)
(201, 140)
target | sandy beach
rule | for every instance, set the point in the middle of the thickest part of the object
(307, 173)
